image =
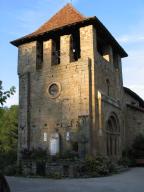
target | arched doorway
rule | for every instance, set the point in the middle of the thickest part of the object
(112, 136)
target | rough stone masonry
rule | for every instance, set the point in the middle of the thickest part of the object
(71, 95)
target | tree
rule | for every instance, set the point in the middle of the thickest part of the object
(8, 136)
(9, 128)
(5, 94)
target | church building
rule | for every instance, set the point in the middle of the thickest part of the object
(71, 94)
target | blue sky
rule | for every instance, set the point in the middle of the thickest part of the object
(124, 19)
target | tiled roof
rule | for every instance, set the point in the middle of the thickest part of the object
(67, 15)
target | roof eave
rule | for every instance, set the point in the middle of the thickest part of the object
(135, 107)
(19, 41)
(134, 95)
(110, 37)
(92, 20)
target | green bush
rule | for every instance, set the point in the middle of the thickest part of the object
(34, 154)
(10, 170)
(138, 147)
(7, 159)
(99, 166)
(127, 159)
(136, 151)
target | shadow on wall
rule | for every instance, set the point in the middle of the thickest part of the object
(3, 184)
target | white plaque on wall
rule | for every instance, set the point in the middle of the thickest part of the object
(45, 136)
(68, 136)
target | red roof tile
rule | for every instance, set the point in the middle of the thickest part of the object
(67, 15)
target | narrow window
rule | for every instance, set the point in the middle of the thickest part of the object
(56, 51)
(111, 145)
(107, 144)
(108, 87)
(115, 145)
(39, 54)
(75, 46)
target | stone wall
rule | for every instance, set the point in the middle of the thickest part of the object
(109, 97)
(107, 71)
(41, 114)
(56, 170)
(130, 100)
(26, 65)
(75, 111)
(107, 107)
(134, 124)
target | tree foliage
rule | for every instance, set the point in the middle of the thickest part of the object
(8, 128)
(8, 136)
(5, 94)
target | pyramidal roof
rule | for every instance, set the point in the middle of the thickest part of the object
(67, 15)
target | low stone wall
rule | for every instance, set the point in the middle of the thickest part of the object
(53, 170)
(28, 168)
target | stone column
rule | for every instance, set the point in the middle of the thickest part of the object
(88, 54)
(47, 57)
(65, 49)
(87, 42)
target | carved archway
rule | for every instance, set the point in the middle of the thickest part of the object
(112, 136)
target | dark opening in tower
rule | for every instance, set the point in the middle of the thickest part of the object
(75, 46)
(56, 51)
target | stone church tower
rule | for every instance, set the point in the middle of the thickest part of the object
(70, 87)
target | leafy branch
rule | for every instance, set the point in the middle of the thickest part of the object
(4, 95)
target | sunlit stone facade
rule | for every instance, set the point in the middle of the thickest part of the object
(71, 93)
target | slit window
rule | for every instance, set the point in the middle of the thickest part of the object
(75, 46)
(39, 54)
(56, 51)
(108, 87)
